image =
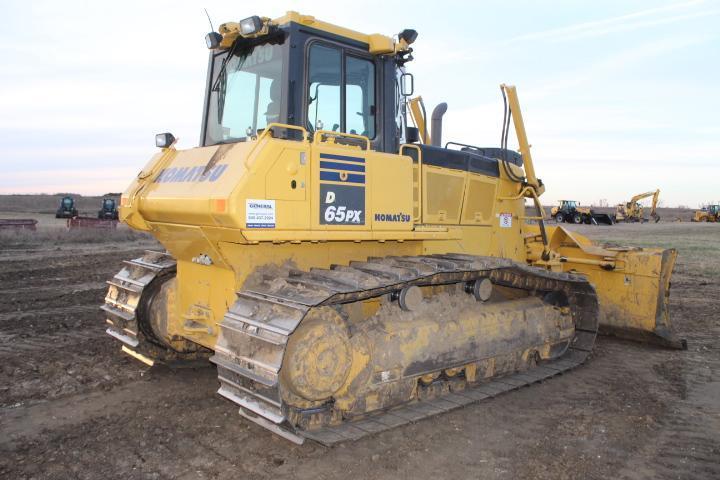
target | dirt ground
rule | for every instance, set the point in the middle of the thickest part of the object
(73, 406)
(14, 206)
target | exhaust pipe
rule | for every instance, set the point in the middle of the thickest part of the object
(436, 128)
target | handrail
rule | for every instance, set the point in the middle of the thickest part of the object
(317, 138)
(267, 132)
(417, 219)
(268, 129)
(148, 178)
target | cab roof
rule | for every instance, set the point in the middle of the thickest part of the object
(378, 44)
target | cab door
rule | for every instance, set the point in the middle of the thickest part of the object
(340, 107)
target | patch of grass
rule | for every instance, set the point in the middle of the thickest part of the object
(697, 245)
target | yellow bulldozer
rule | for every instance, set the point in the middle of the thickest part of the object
(344, 271)
(711, 213)
(633, 211)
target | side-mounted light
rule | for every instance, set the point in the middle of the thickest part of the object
(164, 140)
(213, 40)
(251, 25)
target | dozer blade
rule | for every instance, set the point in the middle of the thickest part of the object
(632, 284)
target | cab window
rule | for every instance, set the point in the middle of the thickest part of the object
(341, 92)
(245, 94)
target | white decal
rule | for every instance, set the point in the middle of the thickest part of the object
(342, 214)
(505, 220)
(260, 213)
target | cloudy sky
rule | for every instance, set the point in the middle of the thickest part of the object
(618, 97)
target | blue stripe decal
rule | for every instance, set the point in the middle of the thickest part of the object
(343, 166)
(331, 156)
(335, 177)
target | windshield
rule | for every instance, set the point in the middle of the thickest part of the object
(245, 92)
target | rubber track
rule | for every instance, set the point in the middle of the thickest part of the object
(255, 330)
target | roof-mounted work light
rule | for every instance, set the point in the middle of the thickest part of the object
(409, 35)
(213, 40)
(251, 25)
(164, 140)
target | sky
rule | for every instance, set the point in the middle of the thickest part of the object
(618, 97)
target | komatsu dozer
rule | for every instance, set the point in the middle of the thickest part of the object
(344, 271)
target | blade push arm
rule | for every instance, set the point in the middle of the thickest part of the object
(522, 139)
(417, 109)
(532, 187)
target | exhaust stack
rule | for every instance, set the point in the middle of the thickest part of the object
(436, 124)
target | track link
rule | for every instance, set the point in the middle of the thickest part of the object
(124, 295)
(255, 331)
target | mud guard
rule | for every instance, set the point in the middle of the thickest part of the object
(632, 284)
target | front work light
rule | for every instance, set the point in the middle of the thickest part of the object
(213, 40)
(251, 25)
(164, 140)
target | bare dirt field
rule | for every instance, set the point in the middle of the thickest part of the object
(73, 406)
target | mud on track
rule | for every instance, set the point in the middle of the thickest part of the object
(71, 406)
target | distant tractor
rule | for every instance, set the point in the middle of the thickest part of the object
(109, 210)
(67, 208)
(568, 211)
(711, 213)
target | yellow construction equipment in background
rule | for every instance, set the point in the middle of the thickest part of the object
(570, 212)
(711, 213)
(345, 277)
(633, 211)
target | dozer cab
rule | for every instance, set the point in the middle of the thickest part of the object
(108, 210)
(711, 213)
(345, 271)
(67, 208)
(634, 212)
(568, 211)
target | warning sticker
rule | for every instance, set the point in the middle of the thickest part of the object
(260, 213)
(505, 220)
